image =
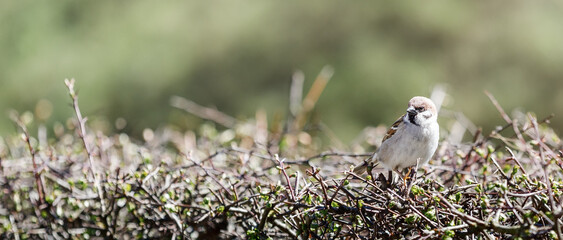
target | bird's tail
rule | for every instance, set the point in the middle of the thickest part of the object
(362, 168)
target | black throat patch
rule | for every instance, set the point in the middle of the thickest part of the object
(412, 119)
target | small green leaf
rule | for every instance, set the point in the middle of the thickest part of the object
(458, 197)
(220, 209)
(131, 206)
(308, 199)
(334, 204)
(490, 148)
(431, 214)
(480, 152)
(49, 199)
(411, 218)
(417, 191)
(127, 187)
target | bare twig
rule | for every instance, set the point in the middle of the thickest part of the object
(82, 134)
(36, 171)
(314, 173)
(285, 228)
(499, 108)
(513, 157)
(203, 112)
(423, 216)
(329, 154)
(499, 168)
(282, 169)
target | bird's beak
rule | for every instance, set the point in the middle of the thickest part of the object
(411, 111)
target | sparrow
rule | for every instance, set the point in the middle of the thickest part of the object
(410, 141)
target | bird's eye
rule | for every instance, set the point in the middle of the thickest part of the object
(420, 109)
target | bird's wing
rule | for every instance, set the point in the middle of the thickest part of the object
(393, 129)
(370, 161)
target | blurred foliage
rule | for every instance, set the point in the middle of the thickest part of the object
(130, 57)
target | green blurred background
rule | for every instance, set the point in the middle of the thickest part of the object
(129, 57)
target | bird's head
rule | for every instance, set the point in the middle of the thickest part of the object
(421, 111)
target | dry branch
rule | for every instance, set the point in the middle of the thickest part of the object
(82, 134)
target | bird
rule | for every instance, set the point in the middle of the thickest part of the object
(410, 141)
